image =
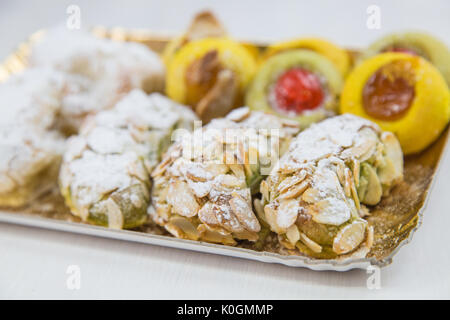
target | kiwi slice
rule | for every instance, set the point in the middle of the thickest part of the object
(258, 95)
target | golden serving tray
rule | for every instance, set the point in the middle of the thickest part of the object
(395, 218)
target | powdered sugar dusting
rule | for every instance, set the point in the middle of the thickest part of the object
(95, 175)
(333, 207)
(31, 98)
(29, 104)
(217, 168)
(319, 150)
(117, 148)
(325, 139)
(100, 71)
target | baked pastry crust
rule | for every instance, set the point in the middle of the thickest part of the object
(105, 175)
(315, 198)
(203, 187)
(30, 149)
(101, 71)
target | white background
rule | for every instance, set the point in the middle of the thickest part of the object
(33, 262)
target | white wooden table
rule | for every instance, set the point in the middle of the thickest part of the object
(33, 262)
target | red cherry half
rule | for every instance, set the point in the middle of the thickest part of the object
(298, 90)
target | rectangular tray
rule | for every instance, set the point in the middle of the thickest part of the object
(396, 218)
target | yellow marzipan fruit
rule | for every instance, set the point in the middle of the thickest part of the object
(429, 112)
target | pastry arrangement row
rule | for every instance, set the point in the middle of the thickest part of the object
(221, 141)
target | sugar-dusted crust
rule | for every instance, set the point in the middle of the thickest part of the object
(315, 198)
(203, 186)
(105, 175)
(101, 71)
(30, 149)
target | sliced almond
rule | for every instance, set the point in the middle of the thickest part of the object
(365, 146)
(374, 188)
(197, 173)
(292, 234)
(290, 123)
(238, 115)
(114, 213)
(349, 237)
(162, 166)
(284, 241)
(289, 182)
(182, 200)
(216, 229)
(216, 169)
(215, 215)
(311, 195)
(241, 153)
(391, 170)
(302, 174)
(271, 218)
(379, 155)
(356, 168)
(246, 194)
(137, 169)
(295, 191)
(369, 143)
(340, 172)
(393, 151)
(175, 231)
(348, 182)
(238, 171)
(207, 215)
(355, 196)
(244, 213)
(246, 235)
(288, 170)
(330, 211)
(387, 172)
(259, 208)
(315, 247)
(264, 188)
(211, 235)
(186, 226)
(200, 189)
(229, 181)
(287, 213)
